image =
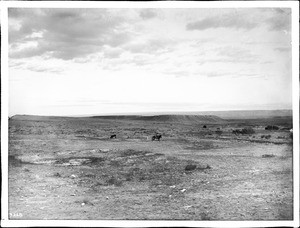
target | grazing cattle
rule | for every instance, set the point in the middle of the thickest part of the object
(156, 137)
(113, 136)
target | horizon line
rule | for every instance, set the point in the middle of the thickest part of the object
(151, 113)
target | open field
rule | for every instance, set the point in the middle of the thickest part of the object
(69, 168)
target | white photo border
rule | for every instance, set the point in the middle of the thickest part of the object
(294, 5)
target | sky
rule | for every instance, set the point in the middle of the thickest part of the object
(109, 60)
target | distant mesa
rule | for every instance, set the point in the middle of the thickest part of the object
(155, 118)
(204, 117)
(168, 118)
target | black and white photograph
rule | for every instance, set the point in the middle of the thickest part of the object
(152, 112)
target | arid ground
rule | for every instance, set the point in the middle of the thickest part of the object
(69, 168)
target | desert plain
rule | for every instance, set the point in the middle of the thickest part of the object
(203, 168)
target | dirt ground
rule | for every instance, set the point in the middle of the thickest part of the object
(69, 168)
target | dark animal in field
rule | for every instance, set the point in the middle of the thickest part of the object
(156, 137)
(204, 126)
(113, 136)
(270, 127)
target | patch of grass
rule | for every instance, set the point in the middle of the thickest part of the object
(201, 146)
(244, 131)
(114, 181)
(85, 160)
(133, 153)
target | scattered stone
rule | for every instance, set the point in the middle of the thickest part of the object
(183, 190)
(172, 186)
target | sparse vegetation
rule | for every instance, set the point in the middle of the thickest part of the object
(268, 155)
(271, 127)
(190, 167)
(265, 136)
(244, 131)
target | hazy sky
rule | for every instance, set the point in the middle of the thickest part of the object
(94, 61)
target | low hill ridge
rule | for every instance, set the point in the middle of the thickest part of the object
(168, 118)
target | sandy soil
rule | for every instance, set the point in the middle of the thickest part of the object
(68, 168)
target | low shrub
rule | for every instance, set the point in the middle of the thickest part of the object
(190, 167)
(219, 132)
(266, 136)
(244, 131)
(268, 155)
(270, 128)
